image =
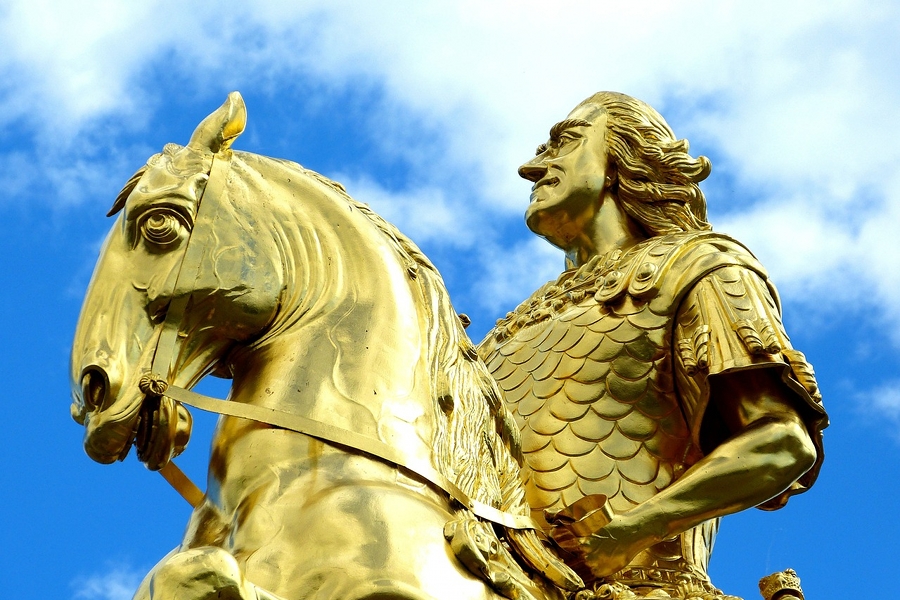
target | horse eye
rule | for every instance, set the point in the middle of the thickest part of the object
(161, 228)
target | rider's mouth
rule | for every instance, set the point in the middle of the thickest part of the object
(547, 181)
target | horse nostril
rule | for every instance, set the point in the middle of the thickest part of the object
(94, 388)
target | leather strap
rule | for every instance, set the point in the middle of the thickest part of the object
(189, 270)
(350, 439)
(182, 484)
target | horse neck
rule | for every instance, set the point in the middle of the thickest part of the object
(350, 346)
(366, 338)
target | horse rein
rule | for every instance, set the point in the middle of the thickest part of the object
(156, 384)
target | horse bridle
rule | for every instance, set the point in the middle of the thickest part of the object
(155, 384)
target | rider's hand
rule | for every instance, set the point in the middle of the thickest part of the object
(602, 552)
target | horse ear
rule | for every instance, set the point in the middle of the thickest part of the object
(217, 131)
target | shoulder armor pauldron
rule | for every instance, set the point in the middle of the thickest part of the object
(664, 268)
(661, 269)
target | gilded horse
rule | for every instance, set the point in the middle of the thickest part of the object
(258, 270)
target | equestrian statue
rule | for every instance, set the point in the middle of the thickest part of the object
(368, 449)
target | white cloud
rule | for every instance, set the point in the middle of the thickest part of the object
(63, 178)
(885, 400)
(826, 256)
(118, 583)
(65, 65)
(880, 406)
(796, 101)
(425, 214)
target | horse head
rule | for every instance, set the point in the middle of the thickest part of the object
(170, 296)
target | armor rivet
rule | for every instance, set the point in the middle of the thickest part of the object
(646, 271)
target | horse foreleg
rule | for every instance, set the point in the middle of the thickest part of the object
(206, 573)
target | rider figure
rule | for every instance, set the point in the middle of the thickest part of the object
(653, 382)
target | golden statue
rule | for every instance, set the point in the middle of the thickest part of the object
(363, 452)
(653, 382)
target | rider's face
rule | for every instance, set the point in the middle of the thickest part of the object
(569, 175)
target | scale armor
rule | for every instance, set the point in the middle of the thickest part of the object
(605, 372)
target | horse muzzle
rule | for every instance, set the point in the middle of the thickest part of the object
(110, 420)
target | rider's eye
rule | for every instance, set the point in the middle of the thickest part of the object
(161, 228)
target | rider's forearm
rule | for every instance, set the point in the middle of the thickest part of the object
(753, 466)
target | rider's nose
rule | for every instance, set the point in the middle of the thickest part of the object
(533, 170)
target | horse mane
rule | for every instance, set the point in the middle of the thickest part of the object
(122, 196)
(119, 202)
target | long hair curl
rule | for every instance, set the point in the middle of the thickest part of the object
(656, 178)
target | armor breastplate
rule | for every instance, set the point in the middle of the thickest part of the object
(605, 420)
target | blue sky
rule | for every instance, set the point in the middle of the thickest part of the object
(424, 110)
